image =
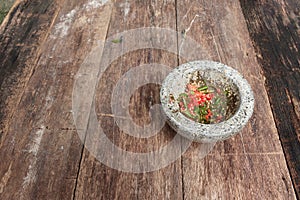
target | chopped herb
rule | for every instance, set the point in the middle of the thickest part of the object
(207, 103)
(116, 41)
(203, 88)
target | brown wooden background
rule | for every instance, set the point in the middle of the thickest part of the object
(43, 44)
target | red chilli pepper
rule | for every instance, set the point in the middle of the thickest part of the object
(209, 114)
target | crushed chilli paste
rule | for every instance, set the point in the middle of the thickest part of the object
(206, 103)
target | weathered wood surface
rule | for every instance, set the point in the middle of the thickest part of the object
(41, 154)
(227, 40)
(34, 140)
(275, 30)
(97, 181)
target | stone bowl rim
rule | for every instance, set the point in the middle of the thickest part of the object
(209, 132)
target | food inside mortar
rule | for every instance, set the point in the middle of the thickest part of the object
(207, 101)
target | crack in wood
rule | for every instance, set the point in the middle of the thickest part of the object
(184, 32)
(81, 160)
(215, 44)
(5, 178)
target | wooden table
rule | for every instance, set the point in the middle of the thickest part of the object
(44, 44)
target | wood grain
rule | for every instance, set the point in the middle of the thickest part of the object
(41, 147)
(22, 34)
(275, 28)
(227, 40)
(110, 183)
(43, 46)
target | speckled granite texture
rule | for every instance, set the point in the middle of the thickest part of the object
(175, 84)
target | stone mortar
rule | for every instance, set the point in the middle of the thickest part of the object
(175, 84)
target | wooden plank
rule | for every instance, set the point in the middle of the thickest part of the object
(39, 145)
(237, 167)
(41, 148)
(236, 176)
(23, 31)
(97, 181)
(274, 28)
